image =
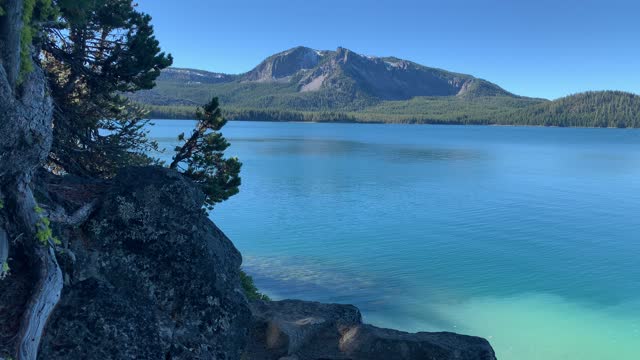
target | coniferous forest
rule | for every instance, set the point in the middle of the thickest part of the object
(590, 109)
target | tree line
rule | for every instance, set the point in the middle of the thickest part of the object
(590, 109)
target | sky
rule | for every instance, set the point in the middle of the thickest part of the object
(537, 48)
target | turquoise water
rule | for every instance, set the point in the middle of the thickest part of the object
(529, 237)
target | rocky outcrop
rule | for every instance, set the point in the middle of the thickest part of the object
(300, 330)
(149, 277)
(26, 115)
(283, 65)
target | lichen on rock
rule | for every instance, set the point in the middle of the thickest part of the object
(153, 278)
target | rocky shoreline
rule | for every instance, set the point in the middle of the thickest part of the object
(302, 330)
(149, 276)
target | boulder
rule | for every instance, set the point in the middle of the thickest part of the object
(301, 330)
(149, 277)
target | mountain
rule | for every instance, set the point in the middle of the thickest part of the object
(385, 78)
(195, 77)
(303, 84)
(306, 79)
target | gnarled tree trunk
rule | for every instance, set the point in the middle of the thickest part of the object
(25, 141)
(10, 31)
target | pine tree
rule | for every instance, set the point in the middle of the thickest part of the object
(201, 156)
(94, 52)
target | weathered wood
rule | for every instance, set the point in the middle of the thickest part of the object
(42, 303)
(47, 290)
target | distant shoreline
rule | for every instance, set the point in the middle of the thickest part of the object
(412, 123)
(607, 109)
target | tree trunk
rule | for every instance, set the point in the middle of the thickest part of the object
(25, 141)
(10, 32)
(46, 293)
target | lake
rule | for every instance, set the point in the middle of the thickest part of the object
(529, 237)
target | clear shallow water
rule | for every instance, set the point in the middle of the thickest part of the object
(529, 237)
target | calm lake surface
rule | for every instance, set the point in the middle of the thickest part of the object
(529, 237)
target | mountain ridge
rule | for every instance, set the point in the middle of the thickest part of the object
(371, 79)
(304, 84)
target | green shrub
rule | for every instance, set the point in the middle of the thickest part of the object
(250, 289)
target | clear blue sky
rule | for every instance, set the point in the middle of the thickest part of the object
(538, 48)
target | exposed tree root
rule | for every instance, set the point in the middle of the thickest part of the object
(45, 298)
(4, 248)
(47, 290)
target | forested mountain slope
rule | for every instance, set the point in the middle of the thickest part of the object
(303, 84)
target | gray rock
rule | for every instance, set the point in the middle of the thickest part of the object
(308, 330)
(149, 277)
(299, 330)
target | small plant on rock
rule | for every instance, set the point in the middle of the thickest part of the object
(250, 289)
